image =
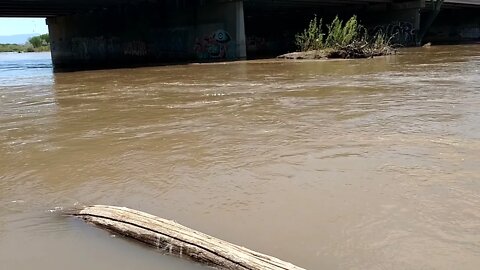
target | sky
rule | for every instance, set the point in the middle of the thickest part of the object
(17, 26)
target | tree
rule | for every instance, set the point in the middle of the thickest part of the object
(39, 41)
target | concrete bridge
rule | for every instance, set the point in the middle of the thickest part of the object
(109, 33)
(49, 8)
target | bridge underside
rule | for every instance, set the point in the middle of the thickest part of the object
(49, 8)
(109, 33)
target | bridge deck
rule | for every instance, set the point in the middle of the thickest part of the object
(46, 8)
(464, 2)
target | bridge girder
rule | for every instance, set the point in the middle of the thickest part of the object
(48, 8)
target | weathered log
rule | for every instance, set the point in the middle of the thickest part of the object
(179, 240)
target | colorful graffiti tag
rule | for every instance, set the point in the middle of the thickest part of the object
(213, 45)
(402, 33)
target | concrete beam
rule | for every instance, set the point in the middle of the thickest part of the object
(416, 4)
(45, 8)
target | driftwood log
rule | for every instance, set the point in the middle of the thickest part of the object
(175, 239)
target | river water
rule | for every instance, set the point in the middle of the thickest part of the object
(363, 164)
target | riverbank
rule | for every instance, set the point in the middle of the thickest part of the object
(17, 48)
(335, 54)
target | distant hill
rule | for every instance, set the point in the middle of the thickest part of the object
(16, 39)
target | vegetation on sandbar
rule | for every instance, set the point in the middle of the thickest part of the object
(39, 43)
(342, 40)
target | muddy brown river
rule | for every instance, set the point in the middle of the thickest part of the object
(363, 164)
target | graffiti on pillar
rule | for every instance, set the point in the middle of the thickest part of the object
(213, 46)
(403, 33)
(135, 48)
(87, 48)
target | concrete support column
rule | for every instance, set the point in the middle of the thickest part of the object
(429, 18)
(220, 31)
(453, 25)
(241, 39)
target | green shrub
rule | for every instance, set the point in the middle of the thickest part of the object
(349, 40)
(312, 37)
(351, 31)
(341, 35)
(380, 40)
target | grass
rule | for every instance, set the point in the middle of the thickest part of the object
(22, 48)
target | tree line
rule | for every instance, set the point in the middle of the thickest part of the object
(40, 43)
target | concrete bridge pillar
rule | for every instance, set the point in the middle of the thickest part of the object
(401, 21)
(240, 30)
(220, 31)
(148, 33)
